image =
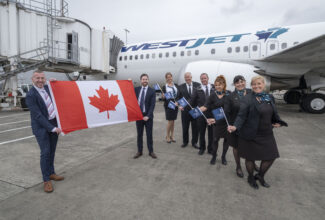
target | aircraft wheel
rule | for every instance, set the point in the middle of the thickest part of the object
(292, 97)
(73, 76)
(314, 103)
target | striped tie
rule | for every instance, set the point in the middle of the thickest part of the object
(49, 105)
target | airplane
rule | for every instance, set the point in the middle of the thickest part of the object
(290, 58)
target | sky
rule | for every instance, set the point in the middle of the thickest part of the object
(149, 20)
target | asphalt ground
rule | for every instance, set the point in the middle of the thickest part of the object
(103, 181)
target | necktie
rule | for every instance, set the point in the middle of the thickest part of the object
(189, 90)
(206, 91)
(49, 105)
(142, 99)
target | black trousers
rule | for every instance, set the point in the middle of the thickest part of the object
(187, 119)
(202, 124)
(140, 127)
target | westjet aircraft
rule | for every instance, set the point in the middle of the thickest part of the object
(291, 58)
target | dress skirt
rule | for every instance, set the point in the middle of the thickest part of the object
(232, 139)
(171, 114)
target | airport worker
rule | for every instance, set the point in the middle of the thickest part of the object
(186, 90)
(171, 114)
(198, 98)
(255, 122)
(147, 100)
(216, 100)
(44, 127)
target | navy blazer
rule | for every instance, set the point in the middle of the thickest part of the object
(149, 100)
(248, 117)
(38, 112)
(183, 92)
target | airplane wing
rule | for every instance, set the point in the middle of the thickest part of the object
(312, 51)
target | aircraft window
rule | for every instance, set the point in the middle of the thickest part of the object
(174, 54)
(284, 45)
(254, 48)
(160, 55)
(245, 48)
(125, 57)
(295, 43)
(141, 56)
(167, 54)
(213, 51)
(147, 56)
(188, 53)
(182, 53)
(229, 49)
(196, 52)
(237, 49)
(272, 46)
(153, 56)
(120, 58)
(130, 57)
(136, 57)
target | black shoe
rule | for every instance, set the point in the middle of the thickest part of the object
(137, 155)
(195, 146)
(262, 181)
(252, 182)
(183, 145)
(201, 152)
(224, 161)
(213, 160)
(239, 172)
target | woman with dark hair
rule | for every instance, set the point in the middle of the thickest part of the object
(171, 114)
(255, 122)
(217, 100)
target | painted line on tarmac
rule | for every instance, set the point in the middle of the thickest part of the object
(14, 129)
(15, 140)
(14, 122)
(15, 115)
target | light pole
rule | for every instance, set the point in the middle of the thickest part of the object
(126, 35)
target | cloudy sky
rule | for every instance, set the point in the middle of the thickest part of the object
(167, 19)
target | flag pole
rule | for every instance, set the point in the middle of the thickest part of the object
(202, 114)
(188, 103)
(223, 112)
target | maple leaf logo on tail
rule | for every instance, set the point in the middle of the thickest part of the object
(104, 102)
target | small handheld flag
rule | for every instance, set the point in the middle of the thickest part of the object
(172, 105)
(168, 95)
(195, 113)
(182, 102)
(157, 87)
(219, 114)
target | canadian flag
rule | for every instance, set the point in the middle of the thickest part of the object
(88, 104)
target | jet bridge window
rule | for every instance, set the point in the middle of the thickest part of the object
(283, 45)
(136, 57)
(272, 46)
(213, 51)
(237, 49)
(153, 56)
(174, 54)
(160, 55)
(196, 52)
(125, 57)
(182, 53)
(141, 56)
(188, 53)
(167, 54)
(147, 56)
(120, 58)
(245, 48)
(229, 49)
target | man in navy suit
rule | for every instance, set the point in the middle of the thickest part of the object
(147, 100)
(44, 126)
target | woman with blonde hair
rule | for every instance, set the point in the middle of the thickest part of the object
(254, 123)
(217, 100)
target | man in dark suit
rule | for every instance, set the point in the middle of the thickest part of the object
(147, 100)
(198, 98)
(44, 126)
(185, 90)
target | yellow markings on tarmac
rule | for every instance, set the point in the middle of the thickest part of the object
(14, 129)
(15, 140)
(14, 122)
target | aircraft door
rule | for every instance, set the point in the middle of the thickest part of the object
(254, 50)
(75, 47)
(272, 47)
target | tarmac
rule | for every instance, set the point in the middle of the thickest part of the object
(103, 181)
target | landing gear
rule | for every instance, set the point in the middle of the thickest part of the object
(292, 96)
(73, 76)
(313, 103)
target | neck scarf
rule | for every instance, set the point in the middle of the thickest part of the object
(263, 97)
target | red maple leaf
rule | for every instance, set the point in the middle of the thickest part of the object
(104, 102)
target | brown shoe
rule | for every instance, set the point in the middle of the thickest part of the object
(137, 155)
(56, 177)
(48, 188)
(153, 155)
